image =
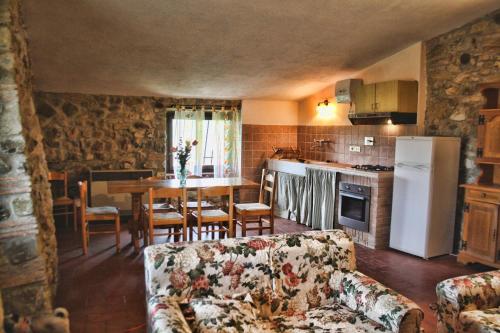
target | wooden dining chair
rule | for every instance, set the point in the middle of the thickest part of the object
(90, 214)
(61, 202)
(167, 220)
(192, 205)
(253, 213)
(219, 218)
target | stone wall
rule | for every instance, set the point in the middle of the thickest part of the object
(28, 258)
(83, 132)
(457, 63)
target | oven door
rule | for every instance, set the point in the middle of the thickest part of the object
(354, 211)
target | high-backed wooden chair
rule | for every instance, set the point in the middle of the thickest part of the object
(215, 217)
(253, 213)
(89, 214)
(192, 205)
(61, 202)
(167, 219)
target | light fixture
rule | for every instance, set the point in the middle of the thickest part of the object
(325, 109)
(389, 122)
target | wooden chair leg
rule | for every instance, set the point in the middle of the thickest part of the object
(151, 233)
(66, 217)
(260, 225)
(221, 233)
(75, 219)
(84, 236)
(271, 224)
(191, 233)
(176, 236)
(145, 230)
(243, 226)
(199, 230)
(117, 231)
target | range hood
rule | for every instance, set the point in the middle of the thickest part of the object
(383, 118)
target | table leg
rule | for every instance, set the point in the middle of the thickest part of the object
(135, 224)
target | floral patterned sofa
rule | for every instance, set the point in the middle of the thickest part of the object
(469, 303)
(281, 283)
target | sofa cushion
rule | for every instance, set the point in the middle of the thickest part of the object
(200, 269)
(303, 264)
(327, 318)
(480, 321)
(223, 315)
(165, 315)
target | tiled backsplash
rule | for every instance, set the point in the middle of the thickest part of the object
(341, 137)
(258, 141)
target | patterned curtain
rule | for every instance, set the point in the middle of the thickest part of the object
(227, 152)
(188, 125)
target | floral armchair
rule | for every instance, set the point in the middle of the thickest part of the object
(469, 303)
(280, 283)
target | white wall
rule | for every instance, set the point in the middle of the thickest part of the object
(268, 112)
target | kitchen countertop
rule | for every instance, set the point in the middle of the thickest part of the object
(299, 168)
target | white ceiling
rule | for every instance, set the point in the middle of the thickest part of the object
(271, 49)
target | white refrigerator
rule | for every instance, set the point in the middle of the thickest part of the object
(424, 195)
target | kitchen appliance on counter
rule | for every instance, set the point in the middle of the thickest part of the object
(424, 195)
(354, 206)
(371, 167)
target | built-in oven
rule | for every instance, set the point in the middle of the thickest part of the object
(354, 206)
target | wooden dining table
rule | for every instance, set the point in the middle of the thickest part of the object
(137, 188)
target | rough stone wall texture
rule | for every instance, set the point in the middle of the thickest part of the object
(28, 258)
(83, 132)
(457, 63)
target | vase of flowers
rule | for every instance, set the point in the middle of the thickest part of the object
(182, 154)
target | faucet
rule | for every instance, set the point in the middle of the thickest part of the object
(318, 143)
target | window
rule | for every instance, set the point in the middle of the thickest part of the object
(220, 141)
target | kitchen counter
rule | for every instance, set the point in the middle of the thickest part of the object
(299, 168)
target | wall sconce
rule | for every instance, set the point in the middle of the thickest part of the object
(325, 109)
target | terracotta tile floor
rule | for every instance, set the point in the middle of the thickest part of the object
(104, 292)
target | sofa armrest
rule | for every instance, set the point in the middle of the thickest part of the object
(379, 303)
(465, 293)
(165, 316)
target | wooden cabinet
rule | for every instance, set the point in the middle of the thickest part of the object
(480, 240)
(479, 233)
(365, 98)
(390, 96)
(489, 136)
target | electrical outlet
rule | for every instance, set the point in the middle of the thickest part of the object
(369, 141)
(356, 149)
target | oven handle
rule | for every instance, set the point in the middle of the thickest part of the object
(347, 194)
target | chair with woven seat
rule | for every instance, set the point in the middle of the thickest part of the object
(91, 214)
(219, 218)
(167, 220)
(61, 202)
(253, 213)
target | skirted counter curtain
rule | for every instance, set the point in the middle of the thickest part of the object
(220, 135)
(310, 199)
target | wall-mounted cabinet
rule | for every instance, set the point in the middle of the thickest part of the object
(390, 96)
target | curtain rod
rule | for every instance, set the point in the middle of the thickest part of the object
(201, 108)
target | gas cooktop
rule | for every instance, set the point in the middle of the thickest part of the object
(371, 167)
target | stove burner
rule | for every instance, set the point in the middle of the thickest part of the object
(371, 167)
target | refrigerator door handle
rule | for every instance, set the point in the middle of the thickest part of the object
(414, 166)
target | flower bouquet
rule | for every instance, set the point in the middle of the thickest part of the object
(182, 154)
